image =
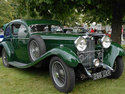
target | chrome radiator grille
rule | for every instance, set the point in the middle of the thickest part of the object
(86, 57)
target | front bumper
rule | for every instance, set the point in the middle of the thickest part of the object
(102, 74)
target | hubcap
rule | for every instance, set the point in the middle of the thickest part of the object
(58, 74)
(34, 50)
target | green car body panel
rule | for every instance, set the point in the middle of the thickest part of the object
(57, 44)
(9, 50)
(111, 53)
(52, 42)
(43, 21)
(65, 54)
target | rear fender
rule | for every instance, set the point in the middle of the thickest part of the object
(1, 47)
(9, 49)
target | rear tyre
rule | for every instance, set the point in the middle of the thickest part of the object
(63, 76)
(5, 58)
(118, 68)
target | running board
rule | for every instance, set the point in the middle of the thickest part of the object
(17, 64)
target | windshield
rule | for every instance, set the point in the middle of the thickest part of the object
(80, 30)
(75, 30)
(45, 28)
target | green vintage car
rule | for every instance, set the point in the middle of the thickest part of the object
(29, 43)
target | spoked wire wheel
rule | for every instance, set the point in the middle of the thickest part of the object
(36, 47)
(58, 73)
(5, 58)
(34, 50)
(62, 75)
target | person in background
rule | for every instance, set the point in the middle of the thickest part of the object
(95, 30)
(92, 30)
(122, 35)
(2, 30)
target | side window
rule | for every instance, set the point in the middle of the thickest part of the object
(15, 28)
(40, 28)
(8, 31)
(22, 32)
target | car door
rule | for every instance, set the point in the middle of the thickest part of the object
(20, 42)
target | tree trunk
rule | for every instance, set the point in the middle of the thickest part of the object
(116, 30)
(117, 16)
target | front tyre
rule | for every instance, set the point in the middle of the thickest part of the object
(118, 68)
(5, 58)
(63, 77)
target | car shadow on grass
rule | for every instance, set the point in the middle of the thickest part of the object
(81, 85)
(87, 86)
(34, 71)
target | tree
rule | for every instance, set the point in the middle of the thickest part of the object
(49, 9)
(5, 14)
(105, 11)
(7, 11)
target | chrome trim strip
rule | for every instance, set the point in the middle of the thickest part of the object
(61, 38)
(51, 38)
(88, 73)
(91, 51)
(20, 38)
(107, 67)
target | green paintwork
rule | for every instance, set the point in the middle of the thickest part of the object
(67, 55)
(19, 54)
(9, 50)
(43, 21)
(59, 44)
(30, 22)
(53, 40)
(111, 53)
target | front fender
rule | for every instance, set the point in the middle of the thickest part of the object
(67, 55)
(111, 53)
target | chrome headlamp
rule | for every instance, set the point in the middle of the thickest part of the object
(80, 43)
(106, 41)
(96, 62)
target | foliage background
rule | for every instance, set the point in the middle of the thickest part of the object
(68, 12)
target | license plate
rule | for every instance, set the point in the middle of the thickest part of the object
(101, 74)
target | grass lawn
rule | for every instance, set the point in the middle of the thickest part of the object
(37, 81)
